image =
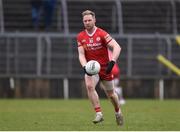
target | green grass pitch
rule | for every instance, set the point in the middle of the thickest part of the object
(77, 115)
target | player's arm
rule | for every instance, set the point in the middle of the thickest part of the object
(112, 44)
(82, 58)
(116, 49)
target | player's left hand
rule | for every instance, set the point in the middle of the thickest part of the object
(110, 66)
(86, 71)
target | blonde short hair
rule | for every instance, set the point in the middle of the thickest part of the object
(88, 12)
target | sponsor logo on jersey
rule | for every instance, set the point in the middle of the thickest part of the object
(94, 46)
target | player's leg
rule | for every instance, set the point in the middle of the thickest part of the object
(118, 91)
(91, 82)
(121, 99)
(109, 90)
(108, 87)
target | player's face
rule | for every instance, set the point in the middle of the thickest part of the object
(89, 22)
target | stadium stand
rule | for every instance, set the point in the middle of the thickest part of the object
(105, 12)
(147, 17)
(177, 12)
(17, 16)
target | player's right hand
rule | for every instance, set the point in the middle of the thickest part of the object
(86, 71)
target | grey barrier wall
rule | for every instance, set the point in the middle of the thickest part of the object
(46, 65)
(55, 55)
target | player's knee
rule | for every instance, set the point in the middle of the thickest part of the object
(90, 87)
(110, 95)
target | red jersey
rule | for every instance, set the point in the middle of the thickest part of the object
(95, 47)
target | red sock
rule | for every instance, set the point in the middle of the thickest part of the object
(97, 109)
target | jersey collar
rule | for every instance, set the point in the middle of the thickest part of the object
(91, 34)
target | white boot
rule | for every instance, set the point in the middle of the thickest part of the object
(119, 119)
(98, 118)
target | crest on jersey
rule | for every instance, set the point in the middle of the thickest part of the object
(98, 39)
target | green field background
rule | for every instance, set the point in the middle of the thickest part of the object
(77, 115)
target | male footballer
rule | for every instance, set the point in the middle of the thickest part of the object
(93, 43)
